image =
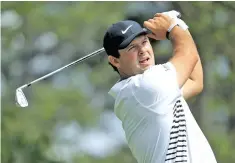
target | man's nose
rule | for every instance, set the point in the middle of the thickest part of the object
(142, 50)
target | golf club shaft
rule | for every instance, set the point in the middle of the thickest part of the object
(68, 65)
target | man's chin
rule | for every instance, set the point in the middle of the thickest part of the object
(145, 67)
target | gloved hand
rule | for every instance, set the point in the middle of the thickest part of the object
(159, 26)
(176, 15)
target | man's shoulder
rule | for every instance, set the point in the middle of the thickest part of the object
(119, 86)
(147, 81)
(153, 81)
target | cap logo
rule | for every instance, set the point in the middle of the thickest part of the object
(123, 32)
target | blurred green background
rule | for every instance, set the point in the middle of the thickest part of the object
(70, 116)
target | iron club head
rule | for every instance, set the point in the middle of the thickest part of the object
(20, 98)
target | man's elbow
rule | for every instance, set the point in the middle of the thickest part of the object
(200, 88)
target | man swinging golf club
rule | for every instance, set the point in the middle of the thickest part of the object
(149, 98)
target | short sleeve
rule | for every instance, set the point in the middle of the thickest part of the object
(157, 84)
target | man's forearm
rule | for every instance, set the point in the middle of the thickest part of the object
(185, 55)
(197, 73)
(194, 85)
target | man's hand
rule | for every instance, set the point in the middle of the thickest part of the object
(159, 26)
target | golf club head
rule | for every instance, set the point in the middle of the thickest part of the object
(20, 98)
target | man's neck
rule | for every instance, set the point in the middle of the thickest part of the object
(123, 76)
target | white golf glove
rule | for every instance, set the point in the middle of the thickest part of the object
(176, 15)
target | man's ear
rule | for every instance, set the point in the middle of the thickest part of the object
(114, 61)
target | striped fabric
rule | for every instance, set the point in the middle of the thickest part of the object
(177, 149)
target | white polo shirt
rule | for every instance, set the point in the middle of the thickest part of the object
(158, 124)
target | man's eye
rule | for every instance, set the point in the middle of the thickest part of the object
(131, 48)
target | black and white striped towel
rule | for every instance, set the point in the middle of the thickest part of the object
(177, 150)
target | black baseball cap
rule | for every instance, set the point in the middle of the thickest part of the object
(119, 36)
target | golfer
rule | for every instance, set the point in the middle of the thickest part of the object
(150, 99)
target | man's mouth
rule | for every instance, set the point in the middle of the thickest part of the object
(144, 61)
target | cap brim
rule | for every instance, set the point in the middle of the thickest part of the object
(126, 42)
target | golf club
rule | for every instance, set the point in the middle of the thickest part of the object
(20, 97)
